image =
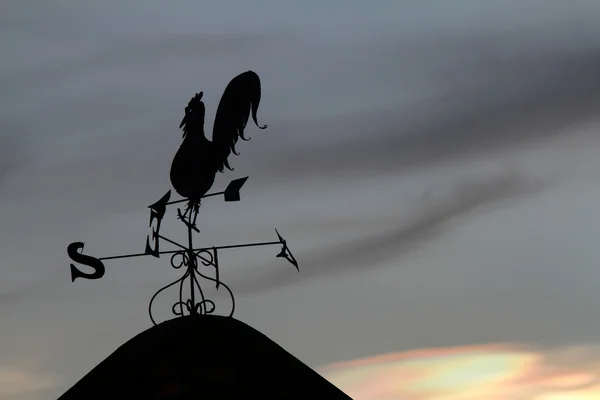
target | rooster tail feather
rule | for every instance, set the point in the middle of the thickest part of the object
(240, 99)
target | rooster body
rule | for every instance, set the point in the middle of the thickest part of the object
(198, 159)
(193, 170)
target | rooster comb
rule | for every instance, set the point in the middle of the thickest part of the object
(197, 97)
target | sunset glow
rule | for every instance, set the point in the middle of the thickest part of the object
(472, 372)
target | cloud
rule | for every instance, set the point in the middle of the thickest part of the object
(19, 291)
(12, 155)
(494, 98)
(429, 223)
(12, 296)
(135, 53)
(405, 102)
(16, 384)
(514, 371)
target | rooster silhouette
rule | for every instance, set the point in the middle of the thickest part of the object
(197, 161)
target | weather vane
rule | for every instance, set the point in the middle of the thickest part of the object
(193, 172)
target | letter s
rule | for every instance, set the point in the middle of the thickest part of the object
(75, 255)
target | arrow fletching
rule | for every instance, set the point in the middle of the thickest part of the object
(286, 253)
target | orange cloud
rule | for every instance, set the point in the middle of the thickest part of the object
(493, 372)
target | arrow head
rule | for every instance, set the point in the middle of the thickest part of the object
(232, 191)
(286, 253)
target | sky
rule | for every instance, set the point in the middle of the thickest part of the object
(432, 165)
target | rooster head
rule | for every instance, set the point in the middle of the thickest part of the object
(194, 114)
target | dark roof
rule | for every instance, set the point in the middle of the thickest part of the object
(202, 357)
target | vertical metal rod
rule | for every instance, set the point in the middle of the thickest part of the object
(216, 262)
(191, 264)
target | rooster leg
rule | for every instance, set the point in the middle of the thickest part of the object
(187, 210)
(196, 210)
(185, 213)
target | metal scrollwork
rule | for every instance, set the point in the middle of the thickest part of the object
(189, 306)
(187, 259)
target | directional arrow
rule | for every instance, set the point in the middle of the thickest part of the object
(285, 252)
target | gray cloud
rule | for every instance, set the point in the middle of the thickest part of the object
(495, 101)
(428, 224)
(133, 53)
(12, 154)
(470, 97)
(9, 297)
